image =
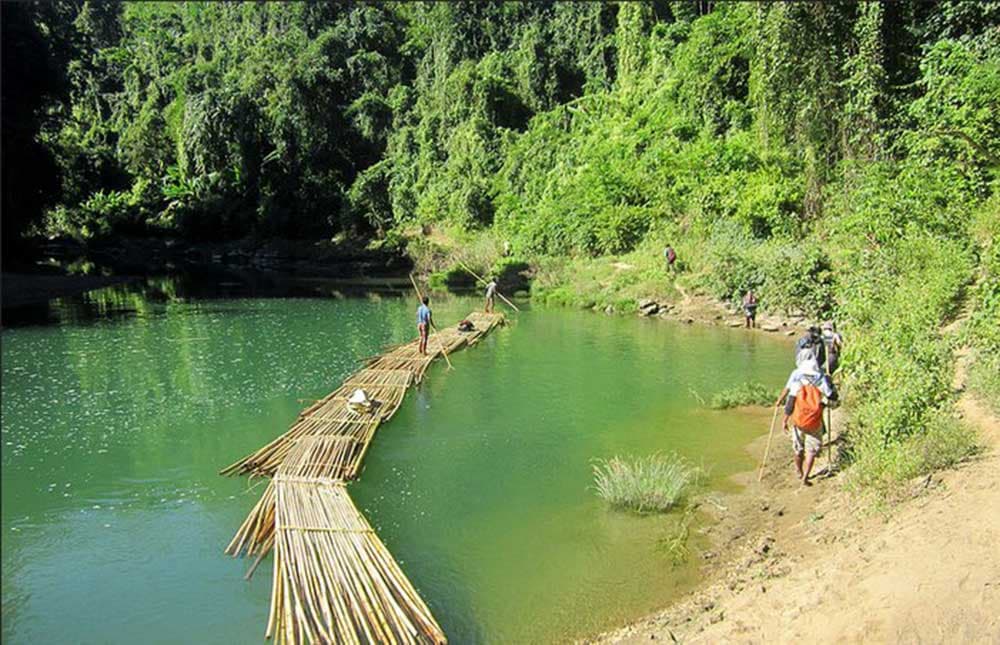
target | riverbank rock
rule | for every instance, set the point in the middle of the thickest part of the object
(735, 323)
(648, 307)
(770, 328)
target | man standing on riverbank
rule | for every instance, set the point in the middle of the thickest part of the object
(750, 308)
(809, 393)
(424, 320)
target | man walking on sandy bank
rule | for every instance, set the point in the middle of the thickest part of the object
(424, 321)
(834, 343)
(809, 392)
(811, 345)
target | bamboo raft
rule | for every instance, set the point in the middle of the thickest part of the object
(334, 580)
(386, 379)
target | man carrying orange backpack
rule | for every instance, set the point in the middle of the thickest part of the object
(809, 392)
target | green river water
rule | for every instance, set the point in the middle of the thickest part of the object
(117, 417)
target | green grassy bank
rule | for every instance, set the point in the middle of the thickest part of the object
(886, 224)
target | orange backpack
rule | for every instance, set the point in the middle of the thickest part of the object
(808, 413)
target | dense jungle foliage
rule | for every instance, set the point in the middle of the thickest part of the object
(840, 158)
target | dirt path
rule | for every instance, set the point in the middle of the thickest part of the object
(810, 567)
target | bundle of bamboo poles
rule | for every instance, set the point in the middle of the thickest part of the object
(255, 537)
(311, 457)
(332, 416)
(334, 580)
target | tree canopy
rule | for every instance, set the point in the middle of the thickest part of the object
(574, 126)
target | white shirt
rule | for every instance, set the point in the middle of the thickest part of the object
(798, 378)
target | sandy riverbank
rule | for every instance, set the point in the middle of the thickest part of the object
(789, 563)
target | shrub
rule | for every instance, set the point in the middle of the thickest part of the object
(879, 468)
(896, 302)
(643, 484)
(798, 278)
(104, 213)
(733, 269)
(982, 331)
(512, 275)
(984, 379)
(748, 393)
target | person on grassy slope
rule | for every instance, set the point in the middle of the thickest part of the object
(670, 256)
(809, 392)
(424, 320)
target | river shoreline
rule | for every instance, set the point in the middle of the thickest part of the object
(788, 562)
(742, 525)
(777, 552)
(25, 289)
(747, 533)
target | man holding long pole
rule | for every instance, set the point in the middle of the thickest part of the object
(495, 290)
(491, 290)
(424, 318)
(425, 321)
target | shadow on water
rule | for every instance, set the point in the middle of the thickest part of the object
(149, 296)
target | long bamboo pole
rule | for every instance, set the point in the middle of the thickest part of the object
(767, 449)
(502, 297)
(420, 297)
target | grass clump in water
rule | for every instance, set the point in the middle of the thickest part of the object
(675, 542)
(749, 393)
(652, 484)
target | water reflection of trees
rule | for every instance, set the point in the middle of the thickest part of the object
(173, 357)
(209, 354)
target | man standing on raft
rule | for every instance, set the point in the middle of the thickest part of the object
(491, 292)
(424, 321)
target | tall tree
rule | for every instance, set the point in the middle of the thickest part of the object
(36, 48)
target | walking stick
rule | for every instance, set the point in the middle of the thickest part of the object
(829, 425)
(420, 297)
(767, 449)
(502, 297)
